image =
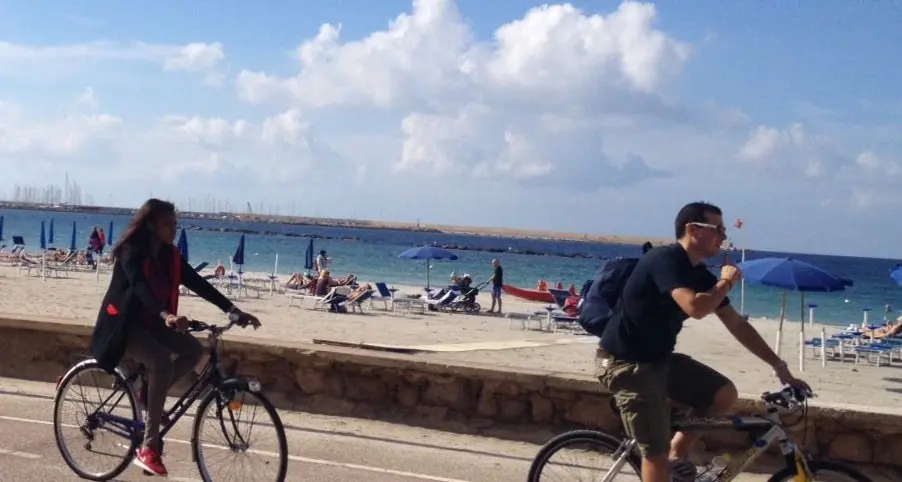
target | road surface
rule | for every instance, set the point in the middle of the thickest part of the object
(321, 448)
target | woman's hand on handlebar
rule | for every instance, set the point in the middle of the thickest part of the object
(245, 319)
(180, 323)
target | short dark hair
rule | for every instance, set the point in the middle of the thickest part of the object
(693, 213)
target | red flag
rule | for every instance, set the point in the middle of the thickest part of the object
(738, 223)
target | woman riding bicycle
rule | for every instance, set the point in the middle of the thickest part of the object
(139, 315)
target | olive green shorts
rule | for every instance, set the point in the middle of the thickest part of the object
(643, 392)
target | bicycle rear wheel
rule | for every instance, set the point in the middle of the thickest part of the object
(219, 438)
(823, 472)
(583, 454)
(95, 411)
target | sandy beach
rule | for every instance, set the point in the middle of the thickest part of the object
(462, 337)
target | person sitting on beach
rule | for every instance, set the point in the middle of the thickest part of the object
(360, 291)
(324, 283)
(542, 285)
(219, 271)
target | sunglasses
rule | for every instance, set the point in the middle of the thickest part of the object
(721, 230)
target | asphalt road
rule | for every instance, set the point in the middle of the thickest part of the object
(321, 448)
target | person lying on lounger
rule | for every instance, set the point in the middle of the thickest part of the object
(885, 331)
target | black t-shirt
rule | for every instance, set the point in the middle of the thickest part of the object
(645, 324)
(498, 278)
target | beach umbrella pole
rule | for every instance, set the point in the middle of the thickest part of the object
(742, 287)
(802, 334)
(44, 265)
(823, 347)
(428, 268)
(779, 343)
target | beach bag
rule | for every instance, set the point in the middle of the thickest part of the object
(603, 294)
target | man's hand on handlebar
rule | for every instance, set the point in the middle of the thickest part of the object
(788, 378)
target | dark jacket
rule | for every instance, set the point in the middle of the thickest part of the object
(130, 298)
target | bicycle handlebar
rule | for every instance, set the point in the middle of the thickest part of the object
(199, 325)
(789, 397)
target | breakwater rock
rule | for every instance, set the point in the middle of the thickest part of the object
(511, 250)
(229, 229)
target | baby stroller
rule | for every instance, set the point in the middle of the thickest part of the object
(466, 302)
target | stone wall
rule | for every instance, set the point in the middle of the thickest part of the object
(491, 401)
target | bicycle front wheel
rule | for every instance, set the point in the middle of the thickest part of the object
(823, 472)
(583, 455)
(227, 420)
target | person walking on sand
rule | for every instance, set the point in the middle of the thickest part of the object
(497, 282)
(321, 262)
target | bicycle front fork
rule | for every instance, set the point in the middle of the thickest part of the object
(620, 456)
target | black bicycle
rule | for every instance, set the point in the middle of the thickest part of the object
(117, 417)
(586, 449)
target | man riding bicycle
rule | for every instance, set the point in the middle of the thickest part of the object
(636, 359)
(139, 315)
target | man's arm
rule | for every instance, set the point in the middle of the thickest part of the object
(748, 336)
(674, 279)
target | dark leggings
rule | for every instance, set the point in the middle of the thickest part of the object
(154, 345)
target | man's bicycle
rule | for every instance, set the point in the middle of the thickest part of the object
(111, 427)
(583, 451)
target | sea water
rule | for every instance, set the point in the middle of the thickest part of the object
(372, 254)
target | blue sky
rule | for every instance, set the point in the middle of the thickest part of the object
(591, 117)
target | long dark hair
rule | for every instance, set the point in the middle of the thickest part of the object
(138, 232)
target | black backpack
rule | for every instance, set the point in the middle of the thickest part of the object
(603, 294)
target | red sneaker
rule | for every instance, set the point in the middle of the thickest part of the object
(149, 460)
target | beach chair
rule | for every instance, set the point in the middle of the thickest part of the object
(441, 304)
(386, 296)
(357, 303)
(324, 301)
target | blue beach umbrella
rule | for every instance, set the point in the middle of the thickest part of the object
(72, 243)
(428, 253)
(183, 244)
(43, 237)
(50, 239)
(109, 235)
(1, 228)
(308, 256)
(792, 274)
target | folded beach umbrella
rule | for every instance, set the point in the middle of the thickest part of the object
(308, 256)
(428, 253)
(73, 246)
(183, 244)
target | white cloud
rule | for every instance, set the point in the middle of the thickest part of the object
(21, 135)
(203, 58)
(503, 108)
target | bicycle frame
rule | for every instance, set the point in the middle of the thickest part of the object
(769, 421)
(211, 375)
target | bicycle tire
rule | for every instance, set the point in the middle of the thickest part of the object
(57, 400)
(577, 436)
(270, 410)
(816, 467)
